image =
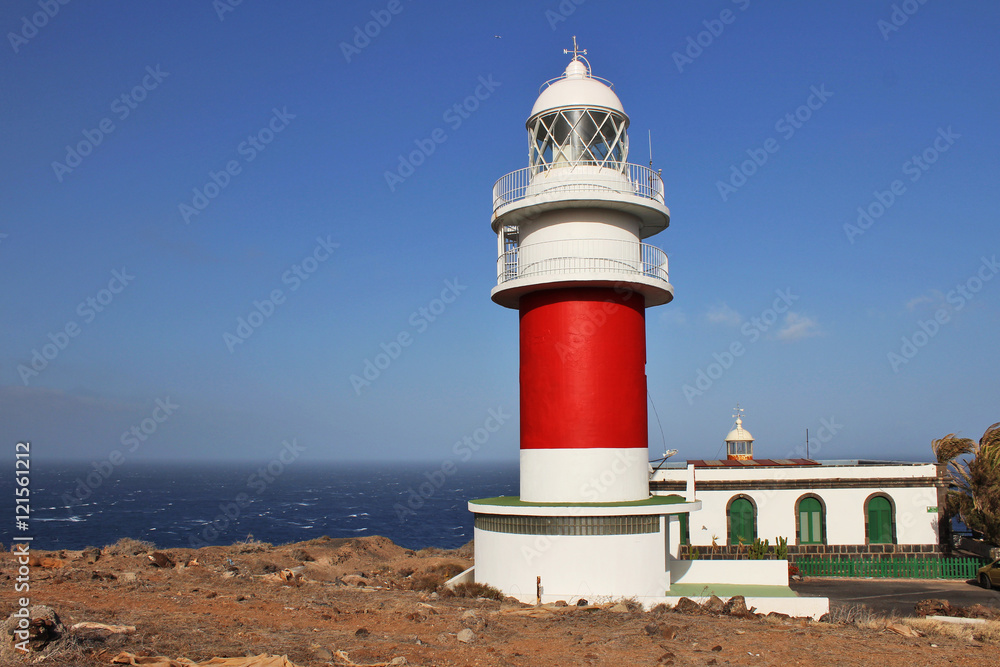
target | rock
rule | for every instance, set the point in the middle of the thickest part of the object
(160, 559)
(399, 660)
(713, 661)
(717, 648)
(466, 636)
(661, 631)
(324, 654)
(933, 607)
(736, 606)
(91, 555)
(619, 608)
(980, 611)
(714, 605)
(361, 632)
(903, 630)
(561, 603)
(687, 606)
(44, 627)
(128, 577)
(469, 613)
(433, 596)
(354, 580)
(581, 603)
(778, 615)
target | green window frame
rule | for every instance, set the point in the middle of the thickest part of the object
(880, 520)
(811, 521)
(742, 522)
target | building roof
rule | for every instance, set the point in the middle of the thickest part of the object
(751, 463)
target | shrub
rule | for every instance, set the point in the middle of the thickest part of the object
(126, 546)
(447, 570)
(476, 590)
(426, 581)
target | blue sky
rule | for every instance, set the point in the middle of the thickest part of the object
(248, 160)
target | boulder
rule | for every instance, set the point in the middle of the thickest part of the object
(933, 607)
(43, 628)
(714, 605)
(736, 606)
(687, 606)
(466, 636)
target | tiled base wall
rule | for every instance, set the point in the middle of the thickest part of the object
(825, 551)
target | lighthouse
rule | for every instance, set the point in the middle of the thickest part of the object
(573, 261)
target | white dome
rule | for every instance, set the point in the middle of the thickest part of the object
(739, 433)
(577, 88)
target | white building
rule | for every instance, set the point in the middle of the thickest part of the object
(823, 508)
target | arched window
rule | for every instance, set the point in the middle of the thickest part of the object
(742, 521)
(811, 522)
(880, 525)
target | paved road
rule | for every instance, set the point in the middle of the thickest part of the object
(899, 595)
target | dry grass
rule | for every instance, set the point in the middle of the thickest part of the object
(988, 632)
(861, 616)
(129, 547)
(474, 590)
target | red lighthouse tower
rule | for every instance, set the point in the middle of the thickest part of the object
(572, 261)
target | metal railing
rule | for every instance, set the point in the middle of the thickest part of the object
(911, 568)
(576, 256)
(632, 179)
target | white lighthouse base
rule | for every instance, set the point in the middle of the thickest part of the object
(545, 553)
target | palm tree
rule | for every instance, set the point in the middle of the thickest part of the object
(974, 484)
(947, 450)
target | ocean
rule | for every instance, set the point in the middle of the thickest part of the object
(416, 505)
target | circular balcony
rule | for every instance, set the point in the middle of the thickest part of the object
(634, 188)
(596, 262)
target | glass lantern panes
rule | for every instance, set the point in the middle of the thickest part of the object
(581, 136)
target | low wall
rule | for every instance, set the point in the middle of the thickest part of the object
(823, 551)
(757, 572)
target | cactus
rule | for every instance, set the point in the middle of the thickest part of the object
(781, 548)
(759, 549)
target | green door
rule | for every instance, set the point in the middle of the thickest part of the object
(879, 521)
(741, 523)
(810, 521)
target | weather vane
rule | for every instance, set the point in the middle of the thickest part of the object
(739, 413)
(576, 51)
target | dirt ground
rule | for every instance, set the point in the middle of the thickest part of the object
(363, 597)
